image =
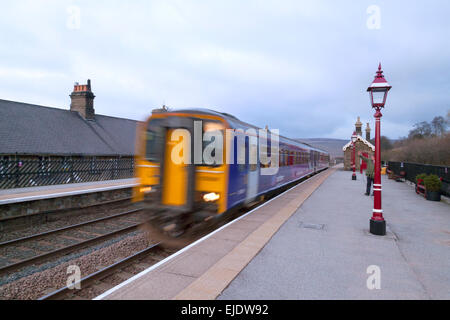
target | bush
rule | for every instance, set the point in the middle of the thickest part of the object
(420, 176)
(432, 183)
(433, 150)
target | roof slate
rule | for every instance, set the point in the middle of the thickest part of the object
(33, 129)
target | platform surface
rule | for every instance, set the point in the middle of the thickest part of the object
(303, 262)
(63, 190)
(312, 242)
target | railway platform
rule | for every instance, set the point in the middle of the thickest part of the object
(9, 196)
(312, 242)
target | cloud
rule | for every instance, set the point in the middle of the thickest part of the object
(298, 66)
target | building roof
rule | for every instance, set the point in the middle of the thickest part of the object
(371, 146)
(32, 129)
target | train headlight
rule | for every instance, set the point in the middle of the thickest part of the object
(146, 189)
(210, 197)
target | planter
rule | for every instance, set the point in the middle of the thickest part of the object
(433, 195)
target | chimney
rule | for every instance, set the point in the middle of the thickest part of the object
(82, 100)
(367, 132)
(358, 126)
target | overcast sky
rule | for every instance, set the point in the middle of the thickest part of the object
(300, 66)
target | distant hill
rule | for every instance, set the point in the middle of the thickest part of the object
(333, 146)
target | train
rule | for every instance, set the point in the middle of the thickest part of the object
(183, 196)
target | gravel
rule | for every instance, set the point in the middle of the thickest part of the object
(60, 221)
(35, 281)
(48, 243)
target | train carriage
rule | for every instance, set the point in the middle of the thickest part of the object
(182, 194)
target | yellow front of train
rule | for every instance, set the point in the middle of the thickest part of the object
(179, 190)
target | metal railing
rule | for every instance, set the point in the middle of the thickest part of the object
(413, 169)
(31, 173)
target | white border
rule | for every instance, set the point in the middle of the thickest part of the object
(142, 273)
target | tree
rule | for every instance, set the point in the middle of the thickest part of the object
(438, 125)
(421, 130)
(385, 143)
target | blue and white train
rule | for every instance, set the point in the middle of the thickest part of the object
(179, 196)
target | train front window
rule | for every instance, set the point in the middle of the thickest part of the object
(212, 149)
(154, 141)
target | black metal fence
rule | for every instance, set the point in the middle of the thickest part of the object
(413, 169)
(31, 173)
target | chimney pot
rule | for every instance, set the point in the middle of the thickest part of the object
(358, 126)
(82, 100)
(367, 132)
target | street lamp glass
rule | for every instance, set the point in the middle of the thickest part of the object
(378, 96)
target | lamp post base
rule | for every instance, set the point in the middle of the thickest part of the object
(353, 177)
(378, 227)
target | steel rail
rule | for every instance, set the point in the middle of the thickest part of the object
(37, 235)
(68, 248)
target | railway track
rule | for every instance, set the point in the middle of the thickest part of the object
(95, 283)
(38, 248)
(19, 222)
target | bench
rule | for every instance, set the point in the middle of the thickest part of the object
(420, 188)
(398, 177)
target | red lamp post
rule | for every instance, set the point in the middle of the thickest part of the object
(378, 93)
(354, 137)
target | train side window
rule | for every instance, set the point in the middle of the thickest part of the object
(253, 153)
(281, 158)
(264, 150)
(242, 151)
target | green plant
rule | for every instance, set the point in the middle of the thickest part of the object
(420, 176)
(432, 183)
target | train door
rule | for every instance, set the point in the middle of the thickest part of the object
(252, 168)
(316, 156)
(311, 160)
(178, 171)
